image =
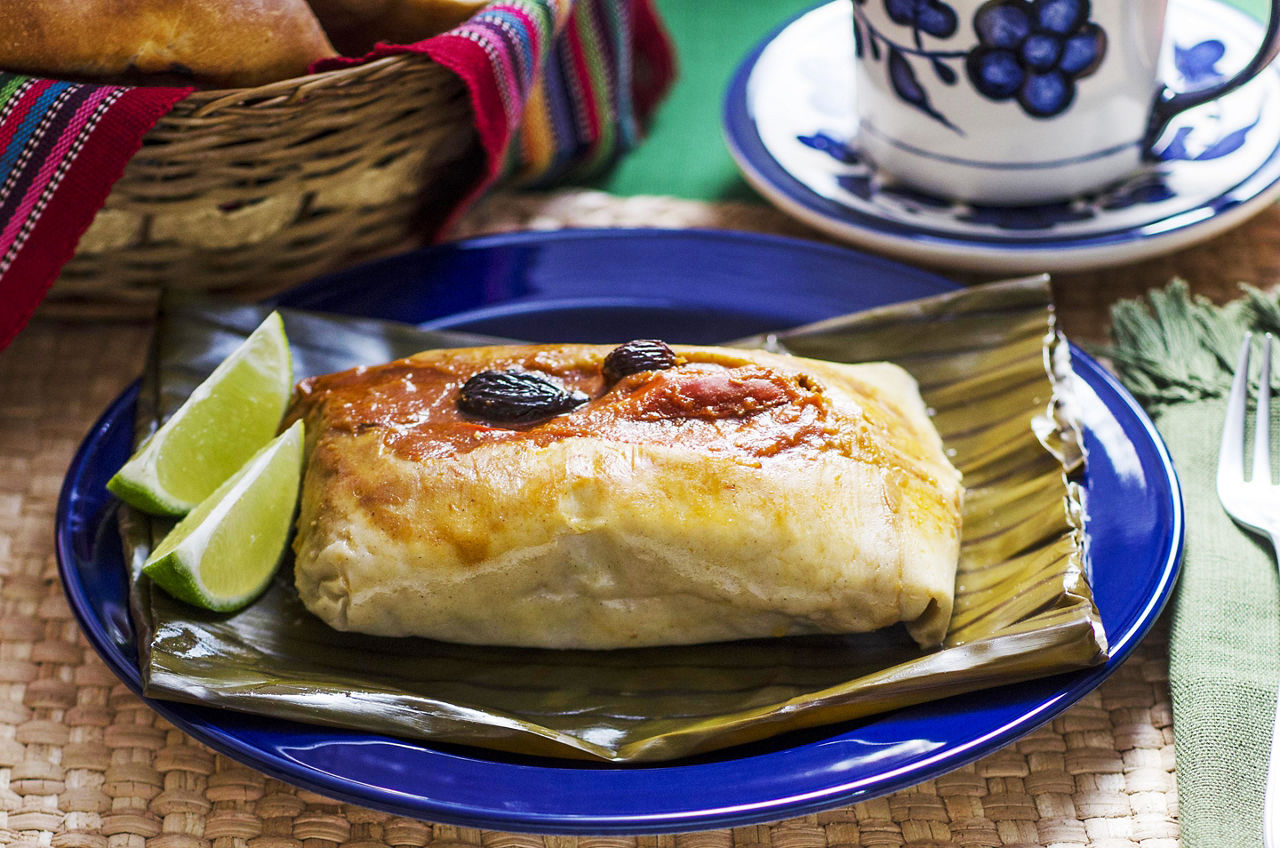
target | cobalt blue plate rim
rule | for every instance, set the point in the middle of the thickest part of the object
(786, 777)
(780, 185)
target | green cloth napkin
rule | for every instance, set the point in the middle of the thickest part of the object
(1176, 354)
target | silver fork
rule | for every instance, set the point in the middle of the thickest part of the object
(1255, 504)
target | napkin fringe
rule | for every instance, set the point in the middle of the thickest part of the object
(1171, 347)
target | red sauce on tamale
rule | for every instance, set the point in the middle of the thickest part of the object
(714, 404)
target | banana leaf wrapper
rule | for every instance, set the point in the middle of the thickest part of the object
(990, 365)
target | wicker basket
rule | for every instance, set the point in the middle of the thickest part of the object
(247, 192)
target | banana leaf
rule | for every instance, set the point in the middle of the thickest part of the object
(991, 367)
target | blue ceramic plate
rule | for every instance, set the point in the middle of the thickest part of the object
(687, 286)
(790, 123)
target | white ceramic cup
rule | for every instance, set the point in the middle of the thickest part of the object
(1018, 101)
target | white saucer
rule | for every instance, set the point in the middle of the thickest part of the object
(790, 125)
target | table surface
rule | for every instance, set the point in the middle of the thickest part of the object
(85, 764)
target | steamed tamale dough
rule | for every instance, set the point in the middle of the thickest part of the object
(738, 494)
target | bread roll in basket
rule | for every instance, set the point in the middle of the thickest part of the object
(219, 43)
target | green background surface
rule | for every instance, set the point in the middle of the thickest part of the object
(684, 154)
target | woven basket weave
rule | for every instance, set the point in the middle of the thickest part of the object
(247, 192)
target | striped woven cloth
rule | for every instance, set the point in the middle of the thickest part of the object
(62, 146)
(559, 88)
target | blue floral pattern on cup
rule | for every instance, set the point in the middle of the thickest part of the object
(1033, 51)
(1029, 51)
(921, 17)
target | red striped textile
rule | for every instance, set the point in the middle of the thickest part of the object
(62, 147)
(588, 104)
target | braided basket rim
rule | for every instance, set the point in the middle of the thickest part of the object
(204, 101)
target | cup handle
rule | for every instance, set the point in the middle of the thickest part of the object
(1169, 102)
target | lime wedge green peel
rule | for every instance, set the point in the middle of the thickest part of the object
(227, 418)
(224, 553)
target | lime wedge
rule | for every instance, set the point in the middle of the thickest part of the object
(227, 418)
(223, 554)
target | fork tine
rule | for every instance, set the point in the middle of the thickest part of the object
(1231, 454)
(1262, 424)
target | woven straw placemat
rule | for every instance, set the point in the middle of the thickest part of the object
(85, 764)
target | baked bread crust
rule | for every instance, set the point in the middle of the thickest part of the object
(739, 494)
(222, 43)
(357, 25)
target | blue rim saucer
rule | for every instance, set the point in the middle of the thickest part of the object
(790, 124)
(689, 286)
